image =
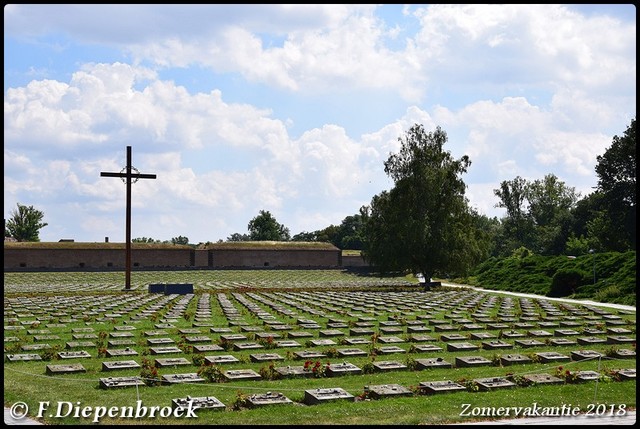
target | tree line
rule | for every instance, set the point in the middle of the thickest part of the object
(425, 224)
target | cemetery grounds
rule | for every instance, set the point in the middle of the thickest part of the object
(296, 347)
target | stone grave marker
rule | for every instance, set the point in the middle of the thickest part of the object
(445, 386)
(65, 368)
(220, 359)
(293, 371)
(268, 398)
(265, 357)
(74, 354)
(425, 348)
(197, 339)
(543, 379)
(491, 383)
(539, 333)
(34, 347)
(115, 382)
(247, 346)
(461, 347)
(203, 348)
(331, 333)
(169, 362)
(299, 334)
(343, 368)
(526, 343)
(482, 336)
(626, 374)
(164, 350)
(590, 340)
(199, 402)
(385, 350)
(288, 343)
(624, 354)
(119, 343)
(323, 342)
(432, 363)
(620, 339)
(380, 391)
(357, 340)
(511, 334)
(389, 365)
(351, 352)
(562, 342)
(587, 375)
(159, 341)
(190, 377)
(565, 332)
(419, 338)
(309, 354)
(579, 355)
(23, 357)
(119, 364)
(242, 374)
(121, 352)
(472, 361)
(512, 359)
(452, 337)
(318, 396)
(549, 357)
(496, 344)
(618, 331)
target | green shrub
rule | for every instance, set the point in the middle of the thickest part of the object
(565, 282)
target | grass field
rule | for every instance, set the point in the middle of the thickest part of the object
(352, 310)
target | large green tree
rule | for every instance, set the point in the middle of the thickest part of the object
(424, 223)
(265, 227)
(25, 223)
(616, 170)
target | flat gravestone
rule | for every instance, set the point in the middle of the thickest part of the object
(444, 328)
(529, 343)
(309, 354)
(453, 337)
(432, 363)
(549, 357)
(219, 330)
(512, 334)
(331, 333)
(288, 343)
(117, 343)
(388, 390)
(543, 379)
(472, 361)
(562, 342)
(496, 344)
(344, 368)
(155, 333)
(387, 350)
(293, 371)
(491, 383)
(389, 365)
(203, 348)
(318, 396)
(121, 352)
(34, 347)
(579, 355)
(190, 377)
(620, 339)
(242, 374)
(169, 362)
(482, 336)
(234, 337)
(357, 340)
(115, 382)
(419, 338)
(23, 357)
(215, 360)
(461, 347)
(565, 332)
(618, 331)
(445, 386)
(265, 357)
(164, 350)
(200, 402)
(390, 339)
(119, 364)
(426, 348)
(65, 369)
(391, 330)
(247, 346)
(74, 354)
(323, 342)
(624, 354)
(626, 374)
(590, 340)
(587, 375)
(507, 360)
(198, 339)
(539, 333)
(299, 334)
(159, 341)
(351, 352)
(268, 398)
(417, 329)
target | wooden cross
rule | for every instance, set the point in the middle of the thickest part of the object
(128, 175)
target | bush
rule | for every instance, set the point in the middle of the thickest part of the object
(566, 281)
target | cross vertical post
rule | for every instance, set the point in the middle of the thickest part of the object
(128, 175)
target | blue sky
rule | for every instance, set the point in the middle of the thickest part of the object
(294, 109)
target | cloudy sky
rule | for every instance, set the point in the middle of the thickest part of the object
(294, 109)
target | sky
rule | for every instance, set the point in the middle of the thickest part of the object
(293, 109)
